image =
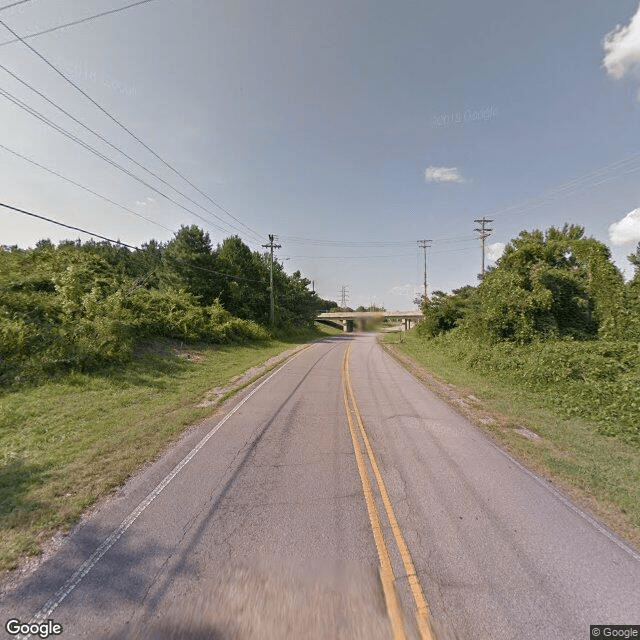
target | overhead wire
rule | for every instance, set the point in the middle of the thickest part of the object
(592, 178)
(68, 226)
(13, 4)
(395, 255)
(315, 241)
(75, 22)
(93, 150)
(124, 128)
(81, 186)
(118, 242)
(372, 243)
(116, 148)
(219, 273)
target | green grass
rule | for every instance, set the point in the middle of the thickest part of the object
(576, 450)
(69, 441)
(328, 330)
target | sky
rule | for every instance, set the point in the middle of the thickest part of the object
(349, 130)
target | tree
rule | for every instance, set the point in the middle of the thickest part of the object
(557, 283)
(246, 294)
(632, 298)
(442, 312)
(190, 265)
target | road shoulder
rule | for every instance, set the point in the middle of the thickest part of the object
(523, 444)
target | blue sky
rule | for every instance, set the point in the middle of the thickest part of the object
(348, 129)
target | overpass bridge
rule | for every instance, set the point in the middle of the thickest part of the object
(348, 318)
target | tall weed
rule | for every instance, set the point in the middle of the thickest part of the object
(594, 379)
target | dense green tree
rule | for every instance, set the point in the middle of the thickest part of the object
(80, 305)
(244, 293)
(189, 264)
(442, 312)
(632, 298)
(555, 284)
(634, 259)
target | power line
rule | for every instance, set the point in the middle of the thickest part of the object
(124, 128)
(313, 241)
(460, 250)
(374, 243)
(219, 273)
(68, 226)
(118, 242)
(100, 155)
(13, 4)
(370, 257)
(81, 186)
(75, 22)
(126, 155)
(590, 179)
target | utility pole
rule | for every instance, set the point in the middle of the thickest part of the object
(484, 234)
(272, 312)
(425, 244)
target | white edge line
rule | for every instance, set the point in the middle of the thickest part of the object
(567, 502)
(91, 561)
(542, 482)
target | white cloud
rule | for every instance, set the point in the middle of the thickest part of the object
(627, 229)
(442, 174)
(145, 202)
(622, 49)
(494, 251)
(403, 290)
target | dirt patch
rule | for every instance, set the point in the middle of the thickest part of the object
(27, 565)
(213, 397)
(527, 433)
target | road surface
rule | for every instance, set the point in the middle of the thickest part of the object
(335, 498)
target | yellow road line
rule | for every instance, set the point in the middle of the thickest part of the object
(422, 608)
(386, 570)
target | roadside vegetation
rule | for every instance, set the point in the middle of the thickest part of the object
(550, 340)
(78, 307)
(106, 355)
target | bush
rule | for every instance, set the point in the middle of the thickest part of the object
(594, 379)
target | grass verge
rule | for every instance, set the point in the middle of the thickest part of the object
(67, 442)
(599, 472)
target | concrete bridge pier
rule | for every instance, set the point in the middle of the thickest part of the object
(347, 325)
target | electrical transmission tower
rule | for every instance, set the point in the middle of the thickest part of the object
(425, 244)
(484, 234)
(344, 295)
(272, 246)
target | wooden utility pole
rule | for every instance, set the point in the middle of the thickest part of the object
(272, 309)
(484, 234)
(425, 244)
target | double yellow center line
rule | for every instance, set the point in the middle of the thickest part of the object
(386, 569)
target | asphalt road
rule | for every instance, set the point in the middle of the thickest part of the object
(336, 498)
